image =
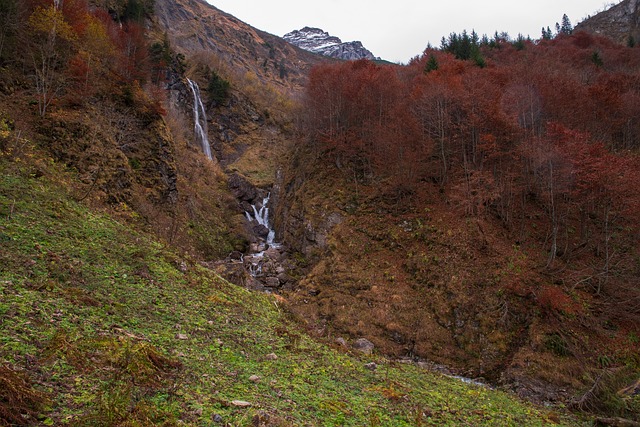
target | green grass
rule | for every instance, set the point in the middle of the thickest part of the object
(115, 329)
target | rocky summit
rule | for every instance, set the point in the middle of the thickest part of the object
(318, 41)
(620, 22)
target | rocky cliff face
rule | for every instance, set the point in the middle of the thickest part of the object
(194, 27)
(620, 23)
(318, 41)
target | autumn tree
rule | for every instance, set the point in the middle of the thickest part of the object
(50, 48)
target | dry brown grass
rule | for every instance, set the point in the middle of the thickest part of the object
(20, 403)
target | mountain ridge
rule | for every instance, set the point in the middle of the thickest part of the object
(620, 22)
(321, 42)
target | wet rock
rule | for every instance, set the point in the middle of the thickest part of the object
(364, 345)
(216, 418)
(261, 230)
(273, 253)
(371, 366)
(235, 256)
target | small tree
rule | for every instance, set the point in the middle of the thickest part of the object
(432, 64)
(51, 43)
(217, 89)
(597, 59)
(631, 42)
(566, 27)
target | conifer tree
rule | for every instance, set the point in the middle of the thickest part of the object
(566, 27)
(432, 64)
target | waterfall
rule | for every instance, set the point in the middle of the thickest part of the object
(261, 216)
(200, 119)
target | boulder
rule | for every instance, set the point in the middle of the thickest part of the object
(261, 230)
(364, 345)
(272, 282)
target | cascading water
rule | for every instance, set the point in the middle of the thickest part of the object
(200, 119)
(261, 217)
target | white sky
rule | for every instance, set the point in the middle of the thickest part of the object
(397, 30)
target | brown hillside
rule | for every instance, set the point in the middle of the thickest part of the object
(195, 27)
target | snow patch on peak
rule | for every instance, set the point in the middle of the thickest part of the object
(321, 42)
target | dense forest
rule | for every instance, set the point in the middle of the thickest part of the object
(545, 130)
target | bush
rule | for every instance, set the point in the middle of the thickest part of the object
(217, 89)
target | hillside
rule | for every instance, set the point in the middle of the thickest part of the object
(481, 238)
(472, 213)
(103, 325)
(197, 28)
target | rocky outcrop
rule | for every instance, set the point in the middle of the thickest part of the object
(620, 23)
(194, 27)
(318, 41)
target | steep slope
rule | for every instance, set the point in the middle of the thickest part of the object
(408, 243)
(198, 28)
(620, 22)
(318, 41)
(103, 325)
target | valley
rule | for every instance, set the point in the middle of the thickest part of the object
(202, 224)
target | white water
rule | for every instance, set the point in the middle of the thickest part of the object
(200, 119)
(261, 216)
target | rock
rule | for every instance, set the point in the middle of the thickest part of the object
(261, 230)
(256, 247)
(269, 268)
(217, 419)
(371, 366)
(254, 378)
(241, 188)
(181, 337)
(236, 256)
(241, 403)
(284, 278)
(233, 271)
(273, 253)
(364, 345)
(271, 356)
(341, 342)
(272, 282)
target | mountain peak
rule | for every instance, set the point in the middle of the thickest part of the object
(321, 42)
(620, 22)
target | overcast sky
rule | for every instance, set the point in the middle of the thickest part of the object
(397, 30)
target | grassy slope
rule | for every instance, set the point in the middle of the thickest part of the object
(115, 329)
